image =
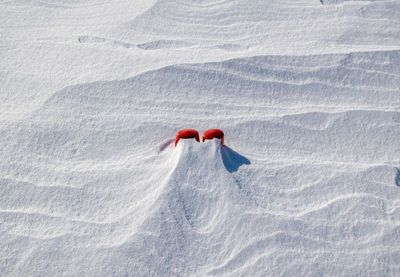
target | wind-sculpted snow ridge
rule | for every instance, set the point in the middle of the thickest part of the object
(332, 26)
(62, 43)
(91, 184)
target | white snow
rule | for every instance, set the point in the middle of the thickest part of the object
(306, 92)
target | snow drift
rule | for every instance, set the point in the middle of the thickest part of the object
(93, 185)
(306, 93)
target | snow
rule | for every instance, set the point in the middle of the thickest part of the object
(306, 92)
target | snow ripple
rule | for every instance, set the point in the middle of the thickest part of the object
(307, 185)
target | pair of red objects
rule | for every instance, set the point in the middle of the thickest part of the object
(192, 133)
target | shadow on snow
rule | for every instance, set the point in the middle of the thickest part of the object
(232, 160)
(397, 178)
(165, 145)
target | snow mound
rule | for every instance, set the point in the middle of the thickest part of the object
(93, 93)
(92, 184)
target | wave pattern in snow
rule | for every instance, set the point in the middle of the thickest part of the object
(91, 184)
(265, 25)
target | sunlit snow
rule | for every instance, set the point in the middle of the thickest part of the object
(92, 94)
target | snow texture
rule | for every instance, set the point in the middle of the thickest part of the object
(306, 92)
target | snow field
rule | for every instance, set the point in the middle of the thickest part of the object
(307, 94)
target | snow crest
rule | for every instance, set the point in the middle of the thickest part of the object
(307, 182)
(93, 93)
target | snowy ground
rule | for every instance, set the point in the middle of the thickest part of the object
(92, 94)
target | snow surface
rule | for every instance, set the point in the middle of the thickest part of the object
(306, 92)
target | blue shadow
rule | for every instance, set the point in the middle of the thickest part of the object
(232, 160)
(165, 145)
(397, 178)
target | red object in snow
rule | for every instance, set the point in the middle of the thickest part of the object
(185, 134)
(214, 133)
